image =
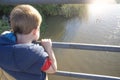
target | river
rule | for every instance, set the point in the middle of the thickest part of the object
(95, 28)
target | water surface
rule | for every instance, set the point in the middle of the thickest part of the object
(102, 28)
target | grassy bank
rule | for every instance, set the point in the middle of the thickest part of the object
(65, 10)
(4, 26)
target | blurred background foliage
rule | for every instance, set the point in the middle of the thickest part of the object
(46, 10)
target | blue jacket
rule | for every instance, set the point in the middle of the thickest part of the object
(22, 61)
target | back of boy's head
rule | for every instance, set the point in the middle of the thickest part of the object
(24, 18)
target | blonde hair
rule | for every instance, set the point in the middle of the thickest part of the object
(24, 18)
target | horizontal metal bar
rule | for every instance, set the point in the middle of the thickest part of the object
(83, 46)
(43, 1)
(86, 76)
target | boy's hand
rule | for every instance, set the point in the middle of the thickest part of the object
(46, 43)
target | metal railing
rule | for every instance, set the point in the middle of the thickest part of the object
(86, 76)
(82, 46)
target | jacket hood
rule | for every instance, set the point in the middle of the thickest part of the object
(7, 39)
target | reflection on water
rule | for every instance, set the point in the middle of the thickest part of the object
(98, 29)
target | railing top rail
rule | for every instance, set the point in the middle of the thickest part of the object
(84, 46)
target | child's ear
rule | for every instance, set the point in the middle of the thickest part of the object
(34, 31)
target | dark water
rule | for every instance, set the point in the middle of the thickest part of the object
(95, 28)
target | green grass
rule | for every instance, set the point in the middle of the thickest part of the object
(4, 26)
(71, 10)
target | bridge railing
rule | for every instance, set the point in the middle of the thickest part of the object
(86, 76)
(83, 46)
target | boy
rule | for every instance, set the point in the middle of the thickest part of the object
(19, 57)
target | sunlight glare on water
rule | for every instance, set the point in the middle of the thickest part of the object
(99, 6)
